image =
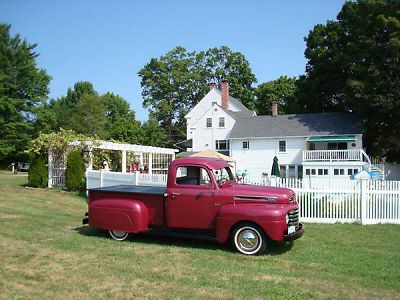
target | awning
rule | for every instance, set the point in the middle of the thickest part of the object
(332, 139)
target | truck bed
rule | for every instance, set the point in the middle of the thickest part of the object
(133, 189)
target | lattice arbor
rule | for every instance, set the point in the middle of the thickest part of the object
(124, 158)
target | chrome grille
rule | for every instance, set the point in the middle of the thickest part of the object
(293, 217)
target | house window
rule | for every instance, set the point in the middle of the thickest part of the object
(282, 169)
(209, 122)
(222, 145)
(338, 171)
(221, 122)
(320, 171)
(282, 146)
(313, 171)
(325, 171)
(213, 103)
(311, 146)
(308, 172)
(246, 145)
(300, 172)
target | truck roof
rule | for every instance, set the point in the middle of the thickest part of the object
(211, 163)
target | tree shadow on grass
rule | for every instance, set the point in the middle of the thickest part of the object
(171, 239)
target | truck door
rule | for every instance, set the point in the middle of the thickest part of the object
(191, 199)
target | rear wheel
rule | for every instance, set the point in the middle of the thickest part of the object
(249, 239)
(118, 235)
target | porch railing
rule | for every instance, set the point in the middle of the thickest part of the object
(333, 155)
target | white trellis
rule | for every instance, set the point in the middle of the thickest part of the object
(156, 158)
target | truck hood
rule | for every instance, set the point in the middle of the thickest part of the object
(255, 193)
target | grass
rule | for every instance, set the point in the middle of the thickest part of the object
(45, 252)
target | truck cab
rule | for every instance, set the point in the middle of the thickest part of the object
(201, 195)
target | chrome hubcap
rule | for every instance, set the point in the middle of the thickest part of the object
(119, 234)
(248, 240)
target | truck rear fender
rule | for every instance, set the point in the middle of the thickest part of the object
(269, 217)
(119, 214)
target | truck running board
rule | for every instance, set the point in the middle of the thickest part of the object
(189, 234)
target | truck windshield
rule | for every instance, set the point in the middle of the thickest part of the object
(223, 174)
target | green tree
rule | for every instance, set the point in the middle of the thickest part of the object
(175, 82)
(75, 172)
(23, 86)
(89, 116)
(37, 176)
(121, 125)
(281, 91)
(153, 134)
(353, 65)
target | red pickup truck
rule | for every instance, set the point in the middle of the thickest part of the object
(201, 197)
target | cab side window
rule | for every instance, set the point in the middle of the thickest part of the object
(192, 176)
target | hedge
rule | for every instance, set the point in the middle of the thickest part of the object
(75, 172)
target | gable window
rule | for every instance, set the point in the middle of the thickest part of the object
(209, 122)
(221, 122)
(213, 103)
(246, 145)
(282, 146)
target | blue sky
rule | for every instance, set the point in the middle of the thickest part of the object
(108, 42)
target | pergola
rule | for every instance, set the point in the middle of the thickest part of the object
(157, 159)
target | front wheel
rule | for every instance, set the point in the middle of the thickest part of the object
(249, 239)
(118, 235)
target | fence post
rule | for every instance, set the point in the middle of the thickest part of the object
(101, 178)
(135, 178)
(363, 200)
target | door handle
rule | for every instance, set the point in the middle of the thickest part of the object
(175, 195)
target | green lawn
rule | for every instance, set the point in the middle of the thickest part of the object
(46, 253)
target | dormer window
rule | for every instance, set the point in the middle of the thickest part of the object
(209, 122)
(221, 122)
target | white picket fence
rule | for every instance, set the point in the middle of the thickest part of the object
(101, 178)
(345, 200)
(321, 200)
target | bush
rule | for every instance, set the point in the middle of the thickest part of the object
(38, 175)
(75, 172)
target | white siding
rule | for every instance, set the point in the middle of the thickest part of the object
(202, 107)
(204, 137)
(259, 157)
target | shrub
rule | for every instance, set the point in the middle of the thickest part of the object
(75, 172)
(37, 176)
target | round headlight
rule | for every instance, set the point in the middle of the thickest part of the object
(287, 219)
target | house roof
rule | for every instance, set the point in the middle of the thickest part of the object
(297, 125)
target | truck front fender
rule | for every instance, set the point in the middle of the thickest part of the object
(271, 218)
(119, 214)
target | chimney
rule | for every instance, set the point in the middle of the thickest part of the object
(211, 85)
(225, 93)
(274, 108)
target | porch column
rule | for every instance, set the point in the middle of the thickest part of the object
(123, 167)
(50, 170)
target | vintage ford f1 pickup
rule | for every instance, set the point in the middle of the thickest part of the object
(201, 197)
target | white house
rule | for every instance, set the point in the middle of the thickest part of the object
(319, 144)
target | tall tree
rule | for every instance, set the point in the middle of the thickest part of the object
(175, 82)
(121, 125)
(23, 86)
(354, 65)
(281, 91)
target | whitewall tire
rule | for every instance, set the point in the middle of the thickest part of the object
(249, 239)
(118, 235)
